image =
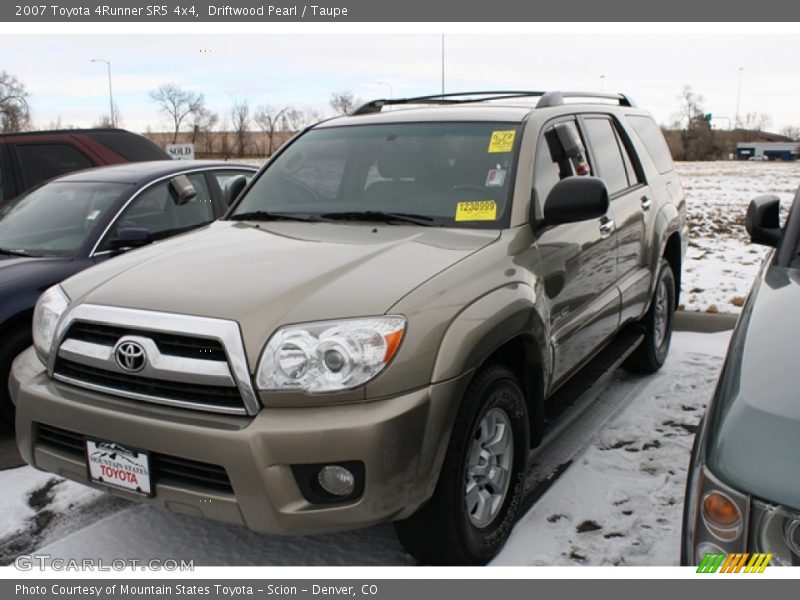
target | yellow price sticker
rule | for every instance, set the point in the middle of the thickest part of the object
(476, 210)
(502, 141)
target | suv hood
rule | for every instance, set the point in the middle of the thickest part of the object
(754, 435)
(270, 274)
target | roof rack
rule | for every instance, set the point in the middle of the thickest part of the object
(554, 98)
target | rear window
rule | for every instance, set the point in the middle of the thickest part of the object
(653, 140)
(129, 145)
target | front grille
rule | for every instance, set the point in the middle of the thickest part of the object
(212, 396)
(168, 343)
(165, 469)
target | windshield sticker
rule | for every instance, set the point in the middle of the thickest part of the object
(92, 215)
(476, 210)
(495, 178)
(502, 141)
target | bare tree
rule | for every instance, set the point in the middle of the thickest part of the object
(269, 118)
(792, 132)
(296, 119)
(15, 112)
(342, 102)
(203, 122)
(240, 116)
(755, 121)
(177, 104)
(691, 106)
(106, 121)
(697, 137)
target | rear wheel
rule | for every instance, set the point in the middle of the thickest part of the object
(482, 480)
(12, 343)
(652, 352)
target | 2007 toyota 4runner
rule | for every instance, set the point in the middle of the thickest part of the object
(390, 316)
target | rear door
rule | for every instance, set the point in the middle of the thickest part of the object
(615, 161)
(578, 265)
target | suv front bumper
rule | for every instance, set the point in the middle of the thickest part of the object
(401, 441)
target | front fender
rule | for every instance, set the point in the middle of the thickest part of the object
(485, 325)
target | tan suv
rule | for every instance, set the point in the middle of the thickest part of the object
(391, 315)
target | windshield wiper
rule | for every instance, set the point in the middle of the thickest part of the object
(384, 217)
(17, 252)
(264, 215)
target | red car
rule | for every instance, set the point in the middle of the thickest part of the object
(27, 159)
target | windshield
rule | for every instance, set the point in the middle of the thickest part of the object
(57, 218)
(434, 174)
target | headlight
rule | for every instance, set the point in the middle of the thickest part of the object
(49, 308)
(328, 356)
(777, 531)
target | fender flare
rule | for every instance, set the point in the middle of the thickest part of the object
(506, 314)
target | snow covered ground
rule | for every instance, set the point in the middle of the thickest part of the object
(721, 264)
(618, 503)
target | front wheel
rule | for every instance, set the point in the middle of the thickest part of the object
(482, 480)
(652, 352)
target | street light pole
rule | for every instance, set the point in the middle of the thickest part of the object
(738, 97)
(110, 92)
(443, 64)
(389, 85)
(602, 83)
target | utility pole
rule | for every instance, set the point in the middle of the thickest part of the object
(110, 92)
(442, 64)
(738, 97)
(602, 83)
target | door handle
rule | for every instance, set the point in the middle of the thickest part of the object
(606, 228)
(646, 203)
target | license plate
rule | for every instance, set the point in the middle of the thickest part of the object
(117, 466)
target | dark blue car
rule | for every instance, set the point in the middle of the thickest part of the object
(81, 219)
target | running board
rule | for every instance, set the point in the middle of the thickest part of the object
(572, 397)
(566, 409)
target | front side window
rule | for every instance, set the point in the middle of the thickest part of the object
(157, 210)
(552, 163)
(57, 218)
(439, 174)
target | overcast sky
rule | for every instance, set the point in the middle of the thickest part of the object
(303, 69)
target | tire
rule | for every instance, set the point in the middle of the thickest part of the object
(445, 531)
(12, 343)
(657, 323)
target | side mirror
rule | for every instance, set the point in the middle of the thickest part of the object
(233, 188)
(576, 199)
(182, 189)
(129, 238)
(763, 220)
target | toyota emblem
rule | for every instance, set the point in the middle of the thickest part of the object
(130, 356)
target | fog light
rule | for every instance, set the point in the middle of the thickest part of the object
(706, 548)
(336, 480)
